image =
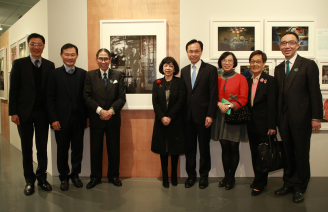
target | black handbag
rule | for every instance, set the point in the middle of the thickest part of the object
(239, 116)
(271, 155)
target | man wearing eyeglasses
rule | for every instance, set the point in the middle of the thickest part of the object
(27, 108)
(299, 112)
(202, 84)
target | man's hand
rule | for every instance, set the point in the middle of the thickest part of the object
(56, 125)
(316, 125)
(15, 119)
(271, 132)
(87, 124)
(166, 120)
(105, 115)
(208, 122)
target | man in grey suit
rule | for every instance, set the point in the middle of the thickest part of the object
(104, 95)
(27, 108)
(299, 112)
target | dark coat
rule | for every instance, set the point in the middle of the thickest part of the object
(172, 135)
(264, 110)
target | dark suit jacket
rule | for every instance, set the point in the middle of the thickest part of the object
(96, 94)
(59, 99)
(264, 110)
(22, 91)
(303, 95)
(202, 99)
(173, 134)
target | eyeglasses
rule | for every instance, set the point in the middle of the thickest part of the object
(194, 52)
(36, 44)
(103, 59)
(253, 62)
(227, 61)
(291, 43)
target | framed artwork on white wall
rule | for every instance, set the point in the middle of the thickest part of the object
(23, 49)
(3, 73)
(323, 74)
(324, 120)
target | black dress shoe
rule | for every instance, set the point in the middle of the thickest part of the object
(45, 185)
(230, 185)
(64, 185)
(174, 181)
(256, 193)
(298, 197)
(223, 183)
(29, 189)
(203, 182)
(77, 182)
(115, 181)
(190, 182)
(93, 183)
(282, 191)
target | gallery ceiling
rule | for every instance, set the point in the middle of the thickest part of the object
(12, 10)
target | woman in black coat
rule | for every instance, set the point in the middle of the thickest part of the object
(169, 96)
(262, 102)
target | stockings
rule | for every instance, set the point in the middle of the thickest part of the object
(174, 164)
(230, 158)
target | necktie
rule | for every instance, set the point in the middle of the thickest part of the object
(287, 69)
(105, 78)
(36, 63)
(71, 71)
(193, 76)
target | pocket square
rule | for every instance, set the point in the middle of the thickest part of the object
(115, 81)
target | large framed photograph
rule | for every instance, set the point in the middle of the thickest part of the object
(275, 29)
(3, 73)
(239, 37)
(23, 51)
(323, 74)
(324, 120)
(137, 47)
(13, 53)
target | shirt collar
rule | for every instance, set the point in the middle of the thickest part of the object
(197, 64)
(68, 68)
(258, 76)
(33, 60)
(292, 60)
(102, 72)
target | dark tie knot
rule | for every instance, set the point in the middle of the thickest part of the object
(36, 63)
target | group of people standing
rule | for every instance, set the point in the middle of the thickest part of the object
(191, 108)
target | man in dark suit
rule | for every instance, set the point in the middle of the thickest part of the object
(299, 112)
(67, 114)
(104, 95)
(27, 108)
(202, 84)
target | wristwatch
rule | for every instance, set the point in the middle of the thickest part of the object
(229, 106)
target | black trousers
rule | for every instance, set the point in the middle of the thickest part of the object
(113, 151)
(297, 149)
(38, 123)
(194, 131)
(261, 178)
(72, 136)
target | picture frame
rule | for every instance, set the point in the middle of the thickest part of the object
(239, 37)
(13, 54)
(244, 64)
(23, 49)
(3, 74)
(148, 39)
(323, 74)
(324, 120)
(304, 28)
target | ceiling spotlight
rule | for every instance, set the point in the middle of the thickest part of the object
(1, 28)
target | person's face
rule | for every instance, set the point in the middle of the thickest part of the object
(194, 52)
(36, 47)
(289, 50)
(227, 63)
(257, 64)
(168, 69)
(103, 61)
(69, 57)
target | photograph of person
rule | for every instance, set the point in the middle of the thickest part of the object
(236, 38)
(301, 31)
(324, 74)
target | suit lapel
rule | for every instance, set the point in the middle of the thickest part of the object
(100, 82)
(110, 81)
(199, 75)
(65, 80)
(44, 72)
(172, 89)
(29, 70)
(250, 83)
(259, 86)
(292, 72)
(188, 78)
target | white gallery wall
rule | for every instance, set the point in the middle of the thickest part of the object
(195, 18)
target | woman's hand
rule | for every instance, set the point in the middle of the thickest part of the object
(224, 107)
(166, 120)
(271, 132)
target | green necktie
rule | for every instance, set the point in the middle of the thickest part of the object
(287, 70)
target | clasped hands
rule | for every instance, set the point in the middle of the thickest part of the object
(166, 120)
(106, 114)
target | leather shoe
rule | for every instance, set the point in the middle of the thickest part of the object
(256, 193)
(230, 185)
(116, 181)
(203, 182)
(190, 182)
(282, 191)
(77, 182)
(298, 197)
(93, 183)
(223, 183)
(174, 181)
(29, 189)
(45, 185)
(64, 185)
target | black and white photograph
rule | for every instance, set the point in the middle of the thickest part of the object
(301, 31)
(325, 75)
(236, 38)
(135, 56)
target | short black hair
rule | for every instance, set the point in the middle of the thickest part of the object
(258, 52)
(36, 35)
(169, 60)
(103, 50)
(290, 33)
(68, 46)
(226, 54)
(194, 41)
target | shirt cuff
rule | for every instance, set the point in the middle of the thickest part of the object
(112, 110)
(98, 110)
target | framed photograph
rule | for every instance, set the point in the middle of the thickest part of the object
(3, 73)
(323, 74)
(137, 48)
(275, 29)
(243, 65)
(13, 53)
(23, 51)
(324, 120)
(239, 37)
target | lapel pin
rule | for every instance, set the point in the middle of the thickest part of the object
(261, 80)
(265, 81)
(296, 69)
